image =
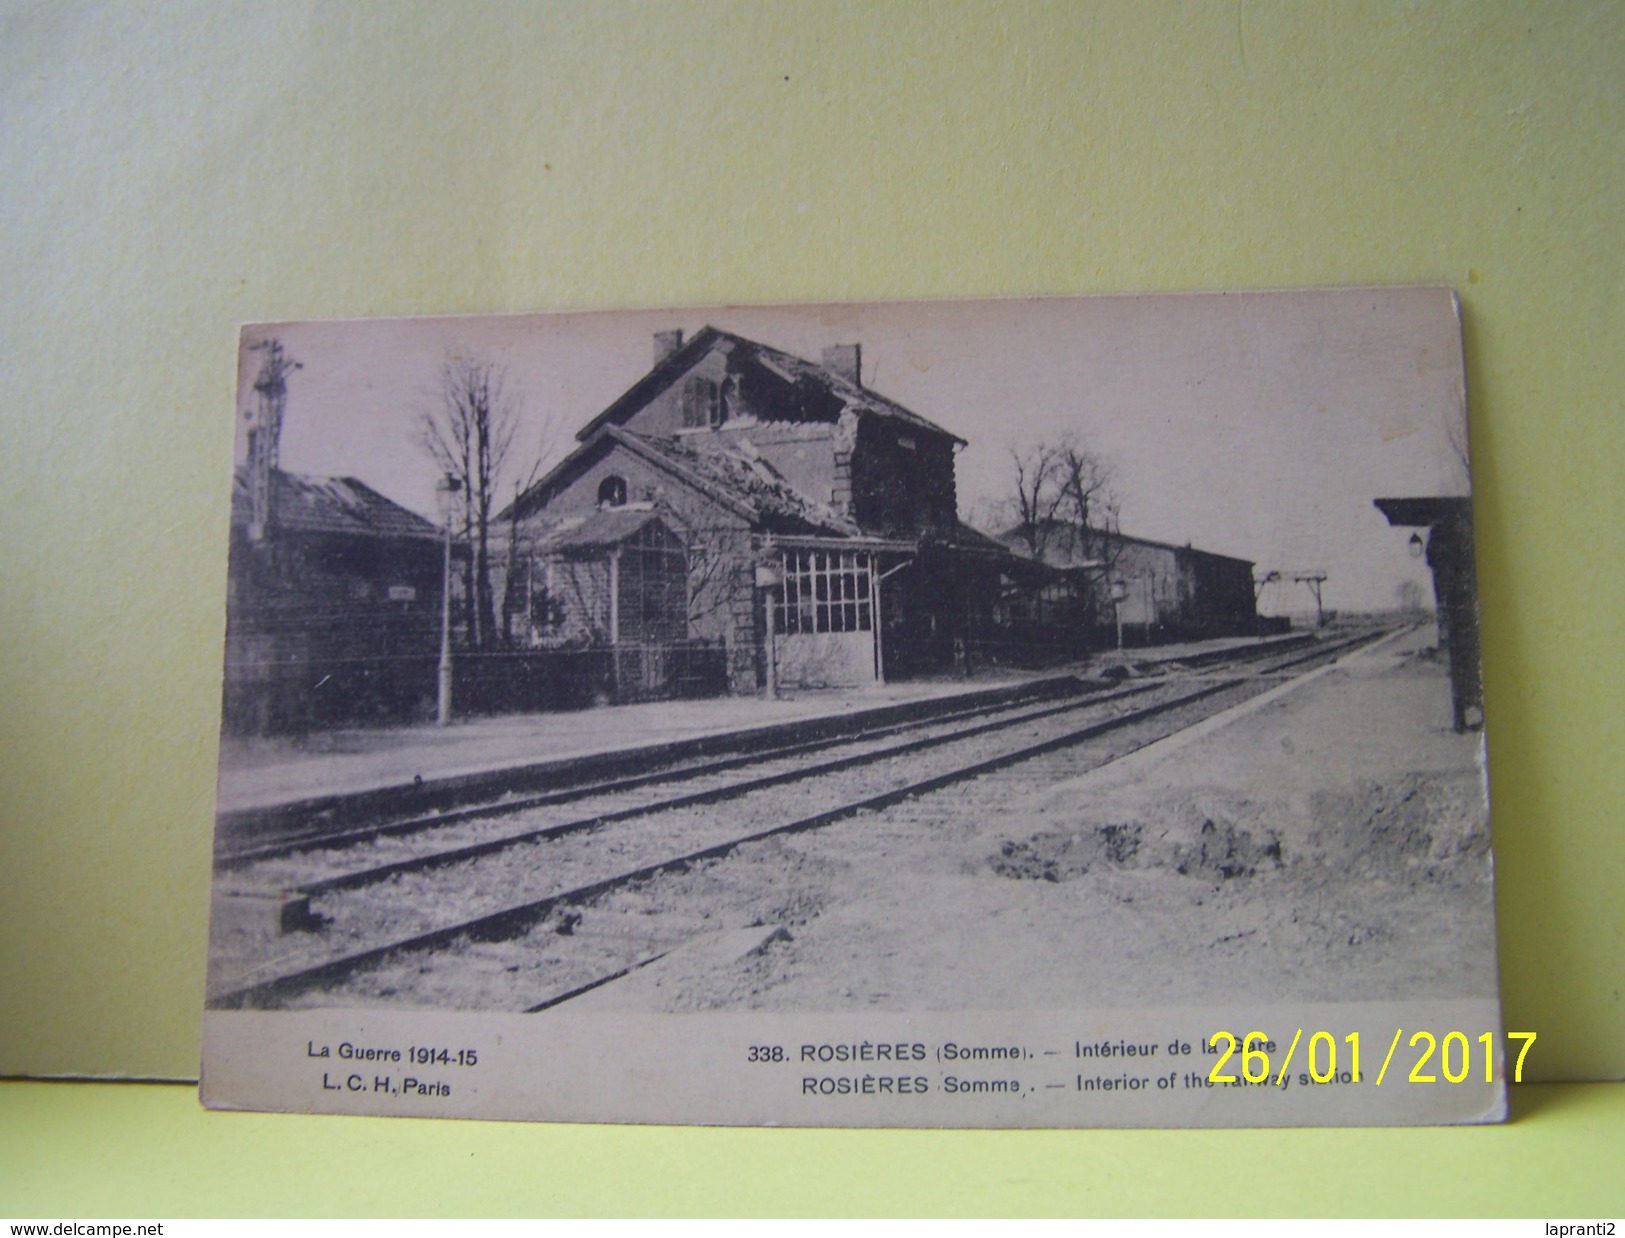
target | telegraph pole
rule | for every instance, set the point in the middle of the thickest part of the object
(448, 488)
(265, 434)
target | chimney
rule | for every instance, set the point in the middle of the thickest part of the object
(847, 361)
(666, 343)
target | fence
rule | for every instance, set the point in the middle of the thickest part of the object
(523, 681)
(280, 684)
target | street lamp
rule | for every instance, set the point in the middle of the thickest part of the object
(769, 578)
(1119, 592)
(446, 489)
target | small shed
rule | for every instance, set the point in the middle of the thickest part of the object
(616, 577)
(333, 606)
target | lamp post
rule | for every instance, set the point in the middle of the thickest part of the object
(447, 488)
(1119, 592)
(768, 578)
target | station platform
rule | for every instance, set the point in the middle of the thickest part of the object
(257, 773)
(282, 775)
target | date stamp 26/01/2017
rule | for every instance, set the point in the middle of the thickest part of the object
(1454, 1049)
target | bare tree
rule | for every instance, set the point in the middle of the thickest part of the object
(1409, 594)
(1037, 495)
(1087, 502)
(1063, 506)
(1061, 486)
(469, 432)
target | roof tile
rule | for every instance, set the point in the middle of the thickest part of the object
(335, 505)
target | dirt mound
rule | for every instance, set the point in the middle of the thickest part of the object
(1419, 823)
(1226, 851)
(1418, 819)
(1194, 836)
(1067, 856)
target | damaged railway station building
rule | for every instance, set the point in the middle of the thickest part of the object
(812, 522)
(742, 518)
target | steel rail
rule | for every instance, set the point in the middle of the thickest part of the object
(610, 786)
(509, 921)
(714, 795)
(1089, 692)
(580, 989)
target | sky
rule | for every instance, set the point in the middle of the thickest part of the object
(1258, 425)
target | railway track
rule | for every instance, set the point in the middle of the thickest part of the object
(400, 891)
(235, 850)
(705, 771)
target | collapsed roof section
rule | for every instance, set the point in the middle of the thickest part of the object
(745, 484)
(826, 394)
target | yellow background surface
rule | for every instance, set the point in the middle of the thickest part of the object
(143, 1151)
(168, 171)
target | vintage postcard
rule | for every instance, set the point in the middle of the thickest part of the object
(1005, 713)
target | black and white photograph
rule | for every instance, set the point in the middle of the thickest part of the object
(1059, 712)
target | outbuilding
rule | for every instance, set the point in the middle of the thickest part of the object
(333, 605)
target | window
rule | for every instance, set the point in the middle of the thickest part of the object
(824, 591)
(702, 404)
(612, 492)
